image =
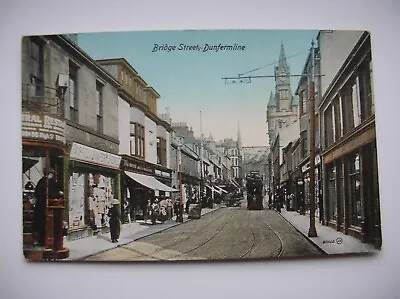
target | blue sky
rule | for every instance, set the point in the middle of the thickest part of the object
(190, 81)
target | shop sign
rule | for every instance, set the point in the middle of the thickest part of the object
(351, 145)
(135, 167)
(91, 155)
(43, 127)
(306, 167)
(162, 173)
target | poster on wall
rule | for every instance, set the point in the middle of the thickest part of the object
(76, 200)
(101, 196)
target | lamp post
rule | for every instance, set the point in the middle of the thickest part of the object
(312, 232)
(300, 193)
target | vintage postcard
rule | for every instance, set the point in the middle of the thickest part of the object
(199, 145)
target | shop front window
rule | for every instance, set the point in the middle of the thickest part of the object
(332, 196)
(355, 191)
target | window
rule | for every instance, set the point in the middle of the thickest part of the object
(366, 96)
(329, 126)
(337, 118)
(355, 190)
(159, 158)
(303, 102)
(347, 109)
(304, 144)
(137, 140)
(99, 106)
(73, 94)
(37, 68)
(332, 198)
(284, 94)
(355, 96)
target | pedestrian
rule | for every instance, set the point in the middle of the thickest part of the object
(177, 206)
(40, 211)
(115, 221)
(169, 208)
(154, 212)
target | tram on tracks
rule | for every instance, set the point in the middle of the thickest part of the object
(254, 186)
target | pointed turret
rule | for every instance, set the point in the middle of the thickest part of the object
(282, 64)
(271, 102)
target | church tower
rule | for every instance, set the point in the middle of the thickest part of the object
(282, 105)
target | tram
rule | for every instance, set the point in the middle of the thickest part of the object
(254, 186)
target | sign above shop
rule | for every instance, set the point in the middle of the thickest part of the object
(130, 165)
(306, 167)
(43, 127)
(83, 153)
(162, 173)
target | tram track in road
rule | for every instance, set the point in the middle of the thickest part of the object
(210, 238)
(281, 250)
(173, 244)
(152, 256)
(253, 241)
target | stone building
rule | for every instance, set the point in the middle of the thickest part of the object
(144, 138)
(351, 201)
(78, 101)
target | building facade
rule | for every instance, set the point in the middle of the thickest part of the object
(82, 100)
(144, 140)
(348, 135)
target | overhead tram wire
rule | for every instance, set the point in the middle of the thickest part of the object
(248, 78)
(272, 63)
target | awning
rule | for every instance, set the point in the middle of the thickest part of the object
(28, 163)
(214, 189)
(219, 188)
(235, 184)
(149, 181)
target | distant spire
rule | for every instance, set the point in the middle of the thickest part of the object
(271, 102)
(239, 137)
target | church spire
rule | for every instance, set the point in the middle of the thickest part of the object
(239, 137)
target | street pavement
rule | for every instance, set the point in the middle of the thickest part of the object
(328, 240)
(86, 247)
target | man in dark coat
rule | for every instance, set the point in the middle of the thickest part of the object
(115, 220)
(40, 210)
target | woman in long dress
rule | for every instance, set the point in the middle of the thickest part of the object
(115, 221)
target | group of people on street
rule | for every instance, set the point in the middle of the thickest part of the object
(160, 209)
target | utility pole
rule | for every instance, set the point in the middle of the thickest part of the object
(312, 232)
(180, 144)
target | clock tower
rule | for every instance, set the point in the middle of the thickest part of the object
(282, 106)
